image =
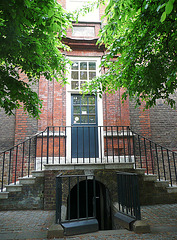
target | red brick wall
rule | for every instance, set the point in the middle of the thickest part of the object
(25, 126)
(114, 112)
(54, 104)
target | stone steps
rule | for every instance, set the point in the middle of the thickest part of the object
(150, 177)
(14, 188)
(19, 185)
(159, 184)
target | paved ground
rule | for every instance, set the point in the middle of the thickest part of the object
(34, 224)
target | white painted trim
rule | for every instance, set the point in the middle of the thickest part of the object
(68, 104)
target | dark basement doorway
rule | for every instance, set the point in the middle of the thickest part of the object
(103, 203)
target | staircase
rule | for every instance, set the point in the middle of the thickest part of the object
(22, 168)
(26, 193)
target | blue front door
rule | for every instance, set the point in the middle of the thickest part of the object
(84, 133)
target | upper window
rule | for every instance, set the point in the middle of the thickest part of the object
(72, 5)
(79, 31)
(82, 71)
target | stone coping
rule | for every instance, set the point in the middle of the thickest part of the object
(94, 166)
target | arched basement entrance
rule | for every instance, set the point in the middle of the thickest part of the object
(103, 203)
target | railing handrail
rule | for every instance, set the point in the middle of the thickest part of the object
(108, 144)
(173, 151)
(61, 126)
(20, 143)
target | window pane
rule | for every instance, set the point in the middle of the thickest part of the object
(76, 110)
(74, 85)
(92, 119)
(91, 100)
(82, 83)
(83, 110)
(92, 66)
(75, 66)
(74, 75)
(83, 66)
(84, 119)
(92, 109)
(84, 100)
(92, 75)
(76, 99)
(83, 75)
(76, 119)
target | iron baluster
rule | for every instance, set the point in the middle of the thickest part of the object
(89, 141)
(47, 145)
(83, 145)
(129, 144)
(65, 144)
(59, 144)
(95, 142)
(101, 145)
(151, 158)
(124, 144)
(157, 161)
(53, 145)
(107, 143)
(69, 199)
(35, 162)
(16, 159)
(42, 151)
(3, 163)
(77, 147)
(134, 151)
(10, 158)
(118, 143)
(29, 157)
(112, 143)
(23, 156)
(174, 166)
(72, 129)
(139, 143)
(146, 156)
(163, 163)
(169, 168)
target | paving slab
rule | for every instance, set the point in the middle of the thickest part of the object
(34, 225)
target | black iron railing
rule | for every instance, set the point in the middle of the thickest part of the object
(84, 145)
(128, 194)
(155, 158)
(76, 210)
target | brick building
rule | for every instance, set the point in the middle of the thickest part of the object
(158, 123)
(85, 128)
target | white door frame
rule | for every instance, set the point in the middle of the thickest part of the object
(69, 92)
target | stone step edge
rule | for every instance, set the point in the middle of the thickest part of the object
(37, 173)
(4, 195)
(162, 183)
(27, 180)
(140, 171)
(14, 188)
(150, 177)
(171, 189)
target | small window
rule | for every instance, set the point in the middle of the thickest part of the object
(79, 31)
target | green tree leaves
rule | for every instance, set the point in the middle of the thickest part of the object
(31, 33)
(141, 50)
(168, 9)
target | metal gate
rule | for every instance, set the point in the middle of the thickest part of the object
(80, 222)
